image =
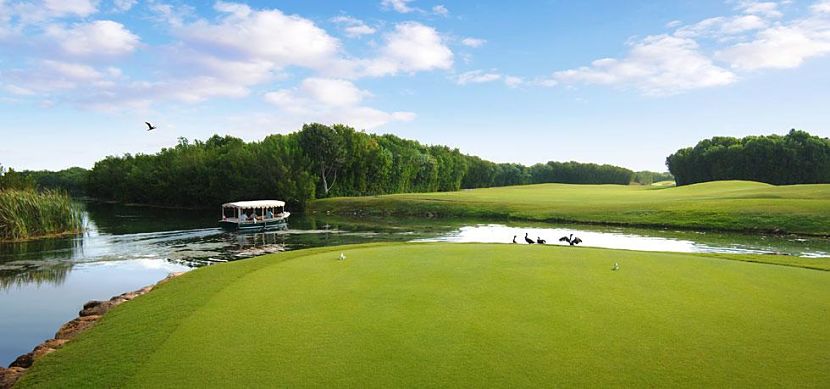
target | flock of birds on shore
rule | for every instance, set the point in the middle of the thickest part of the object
(571, 240)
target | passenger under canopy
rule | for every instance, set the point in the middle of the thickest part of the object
(253, 215)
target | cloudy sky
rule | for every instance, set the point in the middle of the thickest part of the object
(621, 82)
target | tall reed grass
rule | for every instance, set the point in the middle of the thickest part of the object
(28, 214)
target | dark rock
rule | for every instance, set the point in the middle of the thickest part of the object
(9, 376)
(75, 326)
(92, 304)
(24, 361)
(96, 308)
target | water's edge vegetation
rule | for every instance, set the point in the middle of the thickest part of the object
(27, 214)
(724, 205)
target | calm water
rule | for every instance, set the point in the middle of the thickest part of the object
(44, 283)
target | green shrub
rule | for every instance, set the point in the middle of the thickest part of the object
(27, 213)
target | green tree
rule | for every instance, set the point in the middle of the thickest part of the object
(324, 148)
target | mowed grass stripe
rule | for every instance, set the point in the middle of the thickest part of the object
(479, 314)
(728, 205)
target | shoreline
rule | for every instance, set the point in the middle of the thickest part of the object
(44, 236)
(361, 213)
(88, 316)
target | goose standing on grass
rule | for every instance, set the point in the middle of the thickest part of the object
(572, 240)
(616, 266)
(528, 240)
(342, 257)
(540, 240)
(514, 238)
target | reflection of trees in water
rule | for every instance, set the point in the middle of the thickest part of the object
(42, 249)
(119, 219)
(54, 274)
(42, 261)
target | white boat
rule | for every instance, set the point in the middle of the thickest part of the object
(258, 215)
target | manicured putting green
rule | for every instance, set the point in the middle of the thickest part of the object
(471, 315)
(726, 205)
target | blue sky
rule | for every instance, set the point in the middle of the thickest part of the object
(615, 82)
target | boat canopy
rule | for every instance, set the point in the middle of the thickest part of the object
(255, 204)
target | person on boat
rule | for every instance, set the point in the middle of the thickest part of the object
(270, 214)
(243, 217)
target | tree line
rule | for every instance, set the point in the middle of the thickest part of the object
(795, 158)
(72, 180)
(317, 161)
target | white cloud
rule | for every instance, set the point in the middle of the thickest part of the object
(767, 9)
(170, 14)
(473, 42)
(821, 7)
(353, 27)
(332, 101)
(656, 65)
(441, 10)
(38, 11)
(268, 35)
(221, 57)
(236, 9)
(124, 5)
(784, 45)
(71, 7)
(54, 76)
(412, 47)
(98, 38)
(780, 47)
(513, 81)
(476, 77)
(401, 6)
(315, 94)
(333, 92)
(720, 27)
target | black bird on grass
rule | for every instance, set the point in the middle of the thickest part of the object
(150, 126)
(540, 240)
(572, 240)
(528, 240)
(514, 238)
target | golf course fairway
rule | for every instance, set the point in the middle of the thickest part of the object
(720, 205)
(471, 315)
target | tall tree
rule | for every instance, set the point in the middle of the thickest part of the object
(324, 147)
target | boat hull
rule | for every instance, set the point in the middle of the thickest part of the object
(264, 225)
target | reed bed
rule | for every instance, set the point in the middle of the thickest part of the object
(26, 214)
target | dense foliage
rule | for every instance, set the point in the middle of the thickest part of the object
(796, 158)
(12, 179)
(72, 180)
(318, 161)
(646, 177)
(28, 213)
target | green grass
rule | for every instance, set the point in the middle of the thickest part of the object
(722, 205)
(471, 315)
(26, 214)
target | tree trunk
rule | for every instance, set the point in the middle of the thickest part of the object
(325, 184)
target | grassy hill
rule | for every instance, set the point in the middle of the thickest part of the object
(725, 205)
(473, 315)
